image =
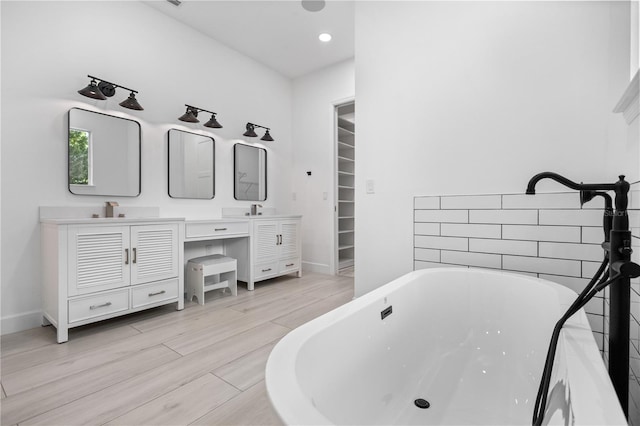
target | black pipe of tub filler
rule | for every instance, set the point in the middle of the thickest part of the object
(619, 298)
(618, 249)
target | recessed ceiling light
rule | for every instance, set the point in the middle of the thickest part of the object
(324, 37)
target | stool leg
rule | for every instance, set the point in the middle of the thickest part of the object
(200, 287)
(233, 282)
(189, 282)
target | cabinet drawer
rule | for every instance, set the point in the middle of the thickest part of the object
(265, 270)
(153, 293)
(215, 229)
(289, 265)
(98, 305)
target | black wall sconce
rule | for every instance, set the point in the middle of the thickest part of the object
(191, 116)
(101, 89)
(252, 134)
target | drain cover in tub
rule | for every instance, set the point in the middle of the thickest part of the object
(422, 403)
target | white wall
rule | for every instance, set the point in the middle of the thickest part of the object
(477, 97)
(48, 48)
(314, 98)
(634, 51)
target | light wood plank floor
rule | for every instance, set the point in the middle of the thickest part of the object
(203, 365)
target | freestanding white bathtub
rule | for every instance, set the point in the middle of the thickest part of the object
(471, 342)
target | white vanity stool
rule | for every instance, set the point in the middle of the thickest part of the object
(210, 273)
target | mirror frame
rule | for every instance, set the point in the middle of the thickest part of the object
(235, 171)
(169, 165)
(69, 153)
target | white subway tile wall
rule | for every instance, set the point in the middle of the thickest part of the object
(569, 234)
(504, 216)
(547, 235)
(522, 248)
(576, 217)
(470, 230)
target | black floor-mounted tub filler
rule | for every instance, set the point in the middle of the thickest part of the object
(620, 269)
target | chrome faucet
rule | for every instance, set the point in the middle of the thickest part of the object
(254, 209)
(110, 208)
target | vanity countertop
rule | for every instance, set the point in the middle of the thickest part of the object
(109, 220)
(263, 216)
(220, 220)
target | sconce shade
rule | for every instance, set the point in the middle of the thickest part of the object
(105, 89)
(92, 91)
(131, 103)
(267, 137)
(250, 131)
(213, 123)
(189, 116)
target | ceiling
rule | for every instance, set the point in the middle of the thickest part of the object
(279, 34)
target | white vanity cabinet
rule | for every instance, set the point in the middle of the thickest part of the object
(274, 248)
(101, 268)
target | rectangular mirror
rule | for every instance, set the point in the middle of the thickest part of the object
(191, 165)
(104, 154)
(250, 172)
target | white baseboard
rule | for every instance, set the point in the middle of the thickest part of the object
(20, 322)
(316, 267)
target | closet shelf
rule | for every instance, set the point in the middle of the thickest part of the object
(342, 172)
(345, 187)
(346, 231)
(345, 159)
(345, 262)
(345, 145)
(346, 217)
(346, 201)
(345, 123)
(345, 247)
(346, 136)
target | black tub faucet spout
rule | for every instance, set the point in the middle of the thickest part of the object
(531, 186)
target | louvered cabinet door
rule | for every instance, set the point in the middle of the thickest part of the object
(98, 259)
(289, 239)
(154, 253)
(266, 241)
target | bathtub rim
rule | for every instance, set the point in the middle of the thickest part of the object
(293, 407)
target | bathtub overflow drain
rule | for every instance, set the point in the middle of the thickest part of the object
(422, 403)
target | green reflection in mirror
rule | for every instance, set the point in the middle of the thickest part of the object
(79, 157)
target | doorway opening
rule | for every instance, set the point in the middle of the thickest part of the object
(345, 133)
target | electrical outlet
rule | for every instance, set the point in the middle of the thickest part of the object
(370, 186)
